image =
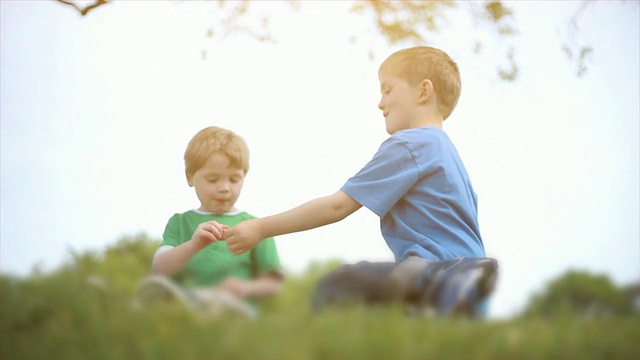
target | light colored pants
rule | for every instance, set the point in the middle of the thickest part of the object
(208, 301)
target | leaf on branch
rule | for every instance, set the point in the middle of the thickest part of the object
(404, 20)
(230, 22)
(585, 55)
(497, 11)
(506, 30)
(512, 73)
(572, 48)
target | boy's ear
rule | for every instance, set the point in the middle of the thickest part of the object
(426, 91)
(189, 178)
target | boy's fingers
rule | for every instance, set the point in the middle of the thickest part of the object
(234, 247)
(212, 229)
(225, 232)
(217, 229)
(237, 251)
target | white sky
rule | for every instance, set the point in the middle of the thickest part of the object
(96, 113)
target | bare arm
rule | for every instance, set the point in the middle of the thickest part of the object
(169, 262)
(315, 213)
(310, 215)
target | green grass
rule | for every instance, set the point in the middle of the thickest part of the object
(62, 317)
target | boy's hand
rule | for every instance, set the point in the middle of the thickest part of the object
(209, 232)
(243, 236)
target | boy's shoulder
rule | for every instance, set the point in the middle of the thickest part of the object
(418, 138)
(421, 133)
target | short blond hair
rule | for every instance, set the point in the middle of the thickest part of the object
(423, 62)
(211, 140)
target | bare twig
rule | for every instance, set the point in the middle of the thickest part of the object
(84, 11)
(572, 47)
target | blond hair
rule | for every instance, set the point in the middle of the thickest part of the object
(211, 140)
(423, 62)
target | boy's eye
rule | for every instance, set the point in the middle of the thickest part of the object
(212, 180)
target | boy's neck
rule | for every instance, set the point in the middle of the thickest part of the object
(427, 119)
(435, 122)
(428, 115)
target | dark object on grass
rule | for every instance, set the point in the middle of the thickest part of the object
(455, 287)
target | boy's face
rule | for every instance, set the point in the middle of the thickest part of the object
(217, 184)
(399, 102)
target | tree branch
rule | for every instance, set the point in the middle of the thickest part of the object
(84, 11)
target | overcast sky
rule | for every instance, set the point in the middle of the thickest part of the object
(96, 113)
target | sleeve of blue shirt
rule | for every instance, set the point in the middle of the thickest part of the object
(385, 179)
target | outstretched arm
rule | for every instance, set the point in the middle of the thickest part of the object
(315, 213)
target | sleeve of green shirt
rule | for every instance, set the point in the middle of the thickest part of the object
(265, 257)
(171, 235)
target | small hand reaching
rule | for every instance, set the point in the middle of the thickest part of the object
(243, 236)
(209, 232)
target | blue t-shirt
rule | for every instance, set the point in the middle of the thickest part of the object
(419, 187)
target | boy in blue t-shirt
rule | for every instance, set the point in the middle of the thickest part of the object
(416, 181)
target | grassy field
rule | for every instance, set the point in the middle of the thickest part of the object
(64, 317)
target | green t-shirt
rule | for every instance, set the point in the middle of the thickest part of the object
(211, 265)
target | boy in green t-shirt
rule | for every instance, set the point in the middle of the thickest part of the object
(192, 264)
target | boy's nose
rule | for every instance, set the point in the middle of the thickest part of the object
(381, 104)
